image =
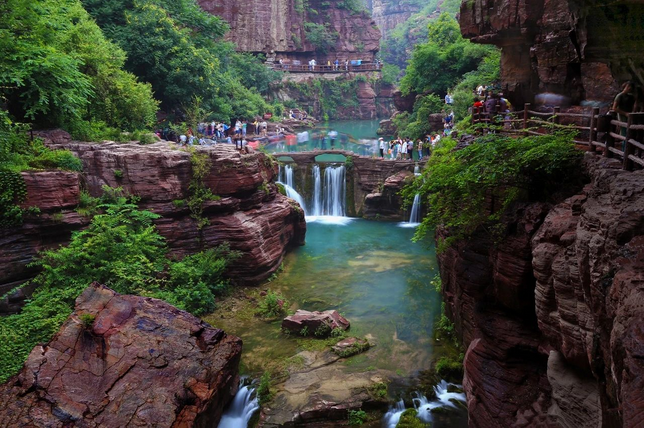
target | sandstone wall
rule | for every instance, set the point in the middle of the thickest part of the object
(142, 363)
(552, 315)
(583, 49)
(388, 15)
(277, 28)
(250, 214)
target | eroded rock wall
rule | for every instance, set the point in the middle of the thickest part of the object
(277, 28)
(583, 49)
(141, 363)
(250, 214)
(552, 315)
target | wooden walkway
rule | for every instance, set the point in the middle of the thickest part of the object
(304, 68)
(623, 140)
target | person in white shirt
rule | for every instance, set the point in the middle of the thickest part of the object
(381, 146)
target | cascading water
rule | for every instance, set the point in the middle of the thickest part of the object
(240, 411)
(416, 169)
(423, 406)
(334, 191)
(415, 213)
(328, 200)
(316, 203)
(393, 415)
(285, 176)
(444, 399)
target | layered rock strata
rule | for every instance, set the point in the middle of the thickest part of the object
(248, 213)
(582, 49)
(139, 363)
(552, 315)
(279, 28)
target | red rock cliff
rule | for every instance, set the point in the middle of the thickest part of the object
(142, 363)
(251, 215)
(552, 316)
(277, 28)
(582, 49)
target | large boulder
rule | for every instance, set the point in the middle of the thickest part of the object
(141, 363)
(319, 323)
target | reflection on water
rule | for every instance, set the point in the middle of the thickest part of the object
(355, 136)
(372, 274)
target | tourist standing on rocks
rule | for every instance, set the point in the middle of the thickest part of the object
(420, 148)
(624, 104)
(381, 146)
(263, 127)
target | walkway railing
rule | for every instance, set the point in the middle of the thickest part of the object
(305, 68)
(593, 130)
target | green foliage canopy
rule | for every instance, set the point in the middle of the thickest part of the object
(455, 185)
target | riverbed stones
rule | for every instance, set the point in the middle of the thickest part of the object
(141, 363)
(315, 323)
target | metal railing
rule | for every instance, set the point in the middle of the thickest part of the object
(619, 139)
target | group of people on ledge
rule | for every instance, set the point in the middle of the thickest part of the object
(336, 65)
(403, 149)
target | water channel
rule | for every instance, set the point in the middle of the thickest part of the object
(371, 272)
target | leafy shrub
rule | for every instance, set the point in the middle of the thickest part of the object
(356, 418)
(121, 249)
(87, 320)
(264, 389)
(273, 305)
(456, 183)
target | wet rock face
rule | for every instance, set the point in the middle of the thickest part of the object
(582, 49)
(553, 313)
(277, 28)
(250, 214)
(142, 363)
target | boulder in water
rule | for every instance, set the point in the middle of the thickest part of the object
(317, 323)
(351, 346)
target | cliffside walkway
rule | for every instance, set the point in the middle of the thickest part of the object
(305, 68)
(615, 138)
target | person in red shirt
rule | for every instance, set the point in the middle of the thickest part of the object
(478, 108)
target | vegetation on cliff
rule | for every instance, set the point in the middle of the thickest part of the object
(447, 60)
(122, 250)
(471, 188)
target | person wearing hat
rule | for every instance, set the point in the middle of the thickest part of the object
(381, 146)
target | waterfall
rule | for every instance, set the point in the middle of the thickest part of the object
(334, 191)
(240, 411)
(423, 406)
(328, 200)
(416, 169)
(444, 399)
(316, 206)
(285, 177)
(415, 213)
(393, 415)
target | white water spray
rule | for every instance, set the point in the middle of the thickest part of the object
(240, 411)
(423, 406)
(285, 176)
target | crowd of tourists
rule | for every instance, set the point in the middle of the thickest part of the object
(491, 106)
(404, 148)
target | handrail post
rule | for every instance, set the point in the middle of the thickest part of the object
(556, 117)
(609, 141)
(629, 148)
(593, 129)
(526, 119)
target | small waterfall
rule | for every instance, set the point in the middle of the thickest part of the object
(423, 406)
(316, 204)
(328, 200)
(416, 169)
(285, 177)
(393, 415)
(415, 213)
(240, 411)
(334, 191)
